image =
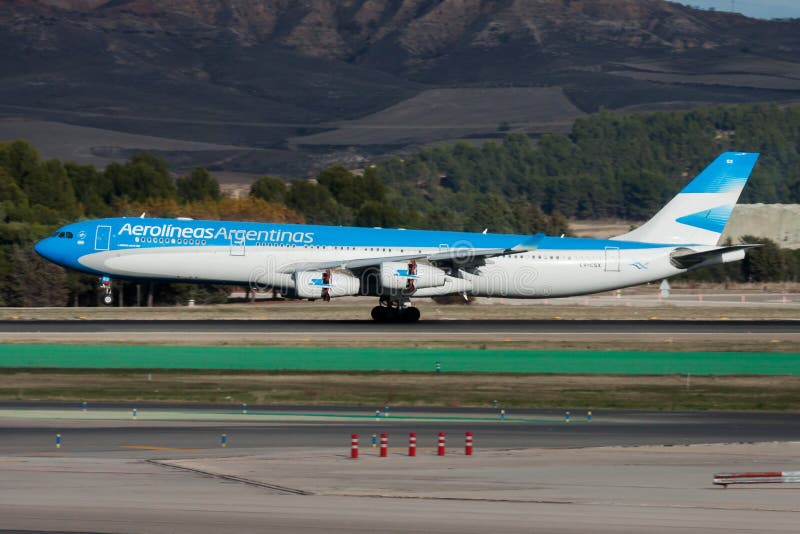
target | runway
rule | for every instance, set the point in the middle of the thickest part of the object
(424, 327)
(187, 431)
(613, 474)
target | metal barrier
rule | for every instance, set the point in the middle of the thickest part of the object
(764, 477)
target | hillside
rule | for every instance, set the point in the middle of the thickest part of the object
(299, 84)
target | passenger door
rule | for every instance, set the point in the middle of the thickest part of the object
(612, 259)
(237, 244)
(102, 238)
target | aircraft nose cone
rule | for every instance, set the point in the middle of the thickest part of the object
(40, 247)
(45, 248)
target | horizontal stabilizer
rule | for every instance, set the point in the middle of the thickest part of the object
(684, 258)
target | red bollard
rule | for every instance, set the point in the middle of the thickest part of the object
(354, 446)
(384, 445)
(441, 443)
(468, 446)
(412, 444)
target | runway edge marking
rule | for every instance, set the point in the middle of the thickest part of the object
(232, 478)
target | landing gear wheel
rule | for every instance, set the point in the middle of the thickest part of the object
(105, 285)
(409, 315)
(392, 311)
(380, 314)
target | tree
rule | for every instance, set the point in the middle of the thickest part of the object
(13, 201)
(765, 263)
(19, 158)
(269, 188)
(93, 189)
(198, 185)
(382, 214)
(343, 186)
(35, 281)
(315, 202)
(144, 176)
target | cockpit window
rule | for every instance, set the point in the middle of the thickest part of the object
(68, 235)
(61, 234)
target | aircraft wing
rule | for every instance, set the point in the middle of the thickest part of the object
(461, 256)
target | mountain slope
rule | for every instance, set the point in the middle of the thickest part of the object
(259, 73)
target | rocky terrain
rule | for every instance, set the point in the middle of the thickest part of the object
(265, 75)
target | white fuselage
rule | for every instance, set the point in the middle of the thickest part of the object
(535, 274)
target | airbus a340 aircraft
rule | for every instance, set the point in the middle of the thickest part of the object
(323, 262)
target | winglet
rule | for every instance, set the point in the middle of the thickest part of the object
(532, 243)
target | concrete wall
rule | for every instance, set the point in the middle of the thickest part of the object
(779, 222)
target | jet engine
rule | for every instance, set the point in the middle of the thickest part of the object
(325, 284)
(451, 286)
(409, 276)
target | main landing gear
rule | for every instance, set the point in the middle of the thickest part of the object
(395, 311)
(105, 284)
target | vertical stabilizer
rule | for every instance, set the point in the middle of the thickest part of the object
(699, 213)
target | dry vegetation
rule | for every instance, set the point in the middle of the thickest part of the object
(410, 389)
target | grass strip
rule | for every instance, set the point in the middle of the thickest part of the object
(406, 359)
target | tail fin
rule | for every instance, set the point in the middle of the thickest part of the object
(699, 213)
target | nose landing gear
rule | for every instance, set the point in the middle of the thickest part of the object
(105, 284)
(395, 311)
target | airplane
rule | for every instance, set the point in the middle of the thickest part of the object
(324, 262)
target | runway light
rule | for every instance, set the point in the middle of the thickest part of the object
(468, 444)
(354, 446)
(58, 441)
(374, 440)
(134, 413)
(502, 415)
(412, 444)
(83, 406)
(567, 417)
(589, 416)
(223, 440)
(244, 408)
(441, 444)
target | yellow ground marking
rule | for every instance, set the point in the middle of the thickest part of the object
(154, 448)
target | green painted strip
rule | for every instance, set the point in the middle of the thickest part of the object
(382, 359)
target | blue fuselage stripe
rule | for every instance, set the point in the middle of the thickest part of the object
(129, 233)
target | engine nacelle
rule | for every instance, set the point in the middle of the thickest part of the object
(451, 286)
(409, 276)
(325, 284)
